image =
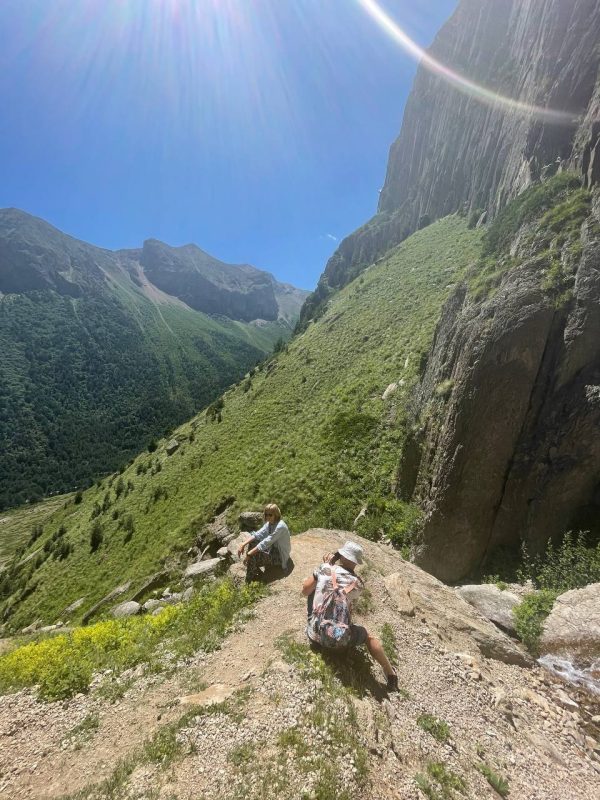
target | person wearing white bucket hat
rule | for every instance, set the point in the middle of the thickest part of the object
(335, 581)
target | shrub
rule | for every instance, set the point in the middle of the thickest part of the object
(36, 532)
(78, 498)
(496, 781)
(64, 665)
(389, 643)
(571, 564)
(530, 615)
(96, 537)
(436, 727)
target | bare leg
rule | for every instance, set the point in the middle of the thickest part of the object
(375, 648)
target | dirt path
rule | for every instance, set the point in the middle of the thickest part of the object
(503, 714)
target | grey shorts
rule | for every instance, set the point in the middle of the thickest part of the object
(358, 635)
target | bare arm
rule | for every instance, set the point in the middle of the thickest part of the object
(309, 585)
(244, 545)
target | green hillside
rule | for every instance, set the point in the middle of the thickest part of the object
(308, 429)
(85, 382)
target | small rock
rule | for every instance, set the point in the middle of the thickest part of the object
(127, 609)
(172, 446)
(389, 391)
(151, 604)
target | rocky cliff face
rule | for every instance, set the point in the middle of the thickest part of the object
(458, 153)
(508, 411)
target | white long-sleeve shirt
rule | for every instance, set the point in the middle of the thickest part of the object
(275, 539)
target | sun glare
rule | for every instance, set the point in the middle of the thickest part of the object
(461, 82)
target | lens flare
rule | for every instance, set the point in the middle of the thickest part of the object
(461, 82)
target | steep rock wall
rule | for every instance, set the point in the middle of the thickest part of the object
(511, 447)
(456, 153)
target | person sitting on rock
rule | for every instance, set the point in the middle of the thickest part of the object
(336, 574)
(271, 545)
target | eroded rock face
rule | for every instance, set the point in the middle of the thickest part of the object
(573, 627)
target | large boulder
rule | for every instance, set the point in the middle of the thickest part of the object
(457, 623)
(251, 521)
(495, 604)
(216, 532)
(203, 568)
(152, 604)
(573, 627)
(127, 609)
(172, 446)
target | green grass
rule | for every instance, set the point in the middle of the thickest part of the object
(291, 437)
(496, 781)
(530, 615)
(551, 214)
(440, 783)
(434, 726)
(65, 664)
(17, 525)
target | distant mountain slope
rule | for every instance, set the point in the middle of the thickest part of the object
(95, 360)
(206, 284)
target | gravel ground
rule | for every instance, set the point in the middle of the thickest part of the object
(270, 739)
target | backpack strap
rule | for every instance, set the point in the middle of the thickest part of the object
(346, 589)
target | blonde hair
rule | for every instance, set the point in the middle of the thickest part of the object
(273, 509)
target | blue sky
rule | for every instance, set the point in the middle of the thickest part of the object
(258, 129)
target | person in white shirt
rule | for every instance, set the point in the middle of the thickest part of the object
(319, 584)
(271, 545)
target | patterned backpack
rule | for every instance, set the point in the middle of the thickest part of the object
(332, 617)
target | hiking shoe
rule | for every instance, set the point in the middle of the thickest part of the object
(392, 682)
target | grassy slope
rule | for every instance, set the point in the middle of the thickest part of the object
(312, 431)
(16, 525)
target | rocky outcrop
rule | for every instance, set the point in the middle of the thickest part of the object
(413, 592)
(495, 604)
(511, 451)
(116, 592)
(573, 627)
(458, 150)
(203, 568)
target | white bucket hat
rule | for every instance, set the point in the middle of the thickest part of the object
(353, 552)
